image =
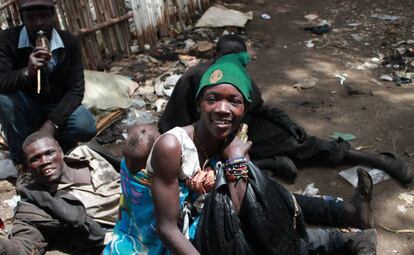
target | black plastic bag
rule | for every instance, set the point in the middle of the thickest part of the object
(265, 224)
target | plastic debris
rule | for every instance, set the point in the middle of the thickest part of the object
(370, 65)
(159, 104)
(136, 116)
(385, 17)
(307, 83)
(402, 209)
(357, 37)
(386, 77)
(407, 197)
(7, 169)
(341, 78)
(311, 17)
(265, 16)
(351, 175)
(309, 44)
(12, 202)
(310, 190)
(344, 136)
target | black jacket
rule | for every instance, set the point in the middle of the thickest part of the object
(64, 86)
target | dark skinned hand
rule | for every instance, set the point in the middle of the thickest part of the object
(233, 150)
(39, 57)
(297, 132)
(236, 148)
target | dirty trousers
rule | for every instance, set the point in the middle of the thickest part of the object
(270, 140)
(20, 116)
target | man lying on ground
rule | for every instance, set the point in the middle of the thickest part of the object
(71, 202)
(271, 131)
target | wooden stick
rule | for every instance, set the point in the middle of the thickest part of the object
(398, 231)
(38, 81)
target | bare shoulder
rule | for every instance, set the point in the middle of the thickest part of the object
(166, 156)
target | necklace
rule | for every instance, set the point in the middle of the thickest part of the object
(198, 144)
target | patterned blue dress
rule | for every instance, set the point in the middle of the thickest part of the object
(135, 231)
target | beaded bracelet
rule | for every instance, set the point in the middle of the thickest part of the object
(236, 170)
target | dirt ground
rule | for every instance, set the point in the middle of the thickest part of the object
(380, 118)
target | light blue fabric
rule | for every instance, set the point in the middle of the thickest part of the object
(55, 43)
(135, 230)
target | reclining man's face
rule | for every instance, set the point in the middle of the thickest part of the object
(45, 158)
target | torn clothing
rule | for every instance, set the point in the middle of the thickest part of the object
(268, 127)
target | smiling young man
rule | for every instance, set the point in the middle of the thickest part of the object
(56, 109)
(68, 205)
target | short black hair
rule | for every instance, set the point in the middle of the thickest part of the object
(229, 44)
(35, 137)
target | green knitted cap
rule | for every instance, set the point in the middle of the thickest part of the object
(229, 69)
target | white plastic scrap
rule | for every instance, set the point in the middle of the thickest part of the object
(402, 209)
(266, 16)
(385, 17)
(341, 77)
(386, 77)
(309, 44)
(311, 190)
(12, 202)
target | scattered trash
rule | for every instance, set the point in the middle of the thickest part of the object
(370, 65)
(7, 169)
(385, 17)
(341, 77)
(402, 209)
(352, 177)
(386, 77)
(376, 82)
(309, 44)
(12, 202)
(189, 44)
(311, 17)
(355, 24)
(166, 87)
(310, 190)
(265, 16)
(407, 197)
(228, 17)
(344, 136)
(307, 83)
(357, 37)
(160, 104)
(348, 88)
(136, 116)
(319, 30)
(361, 148)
